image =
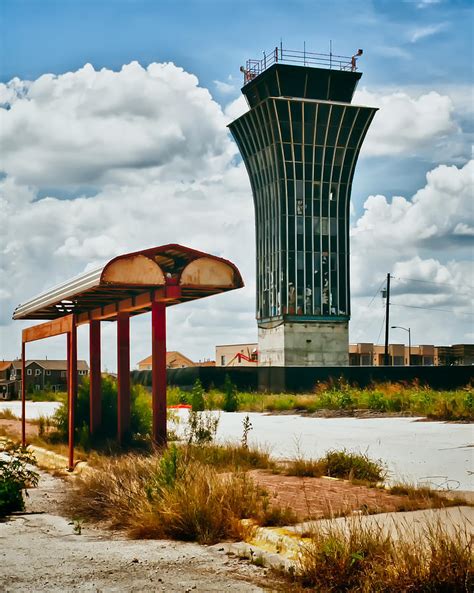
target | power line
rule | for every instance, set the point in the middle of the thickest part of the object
(376, 293)
(432, 309)
(381, 328)
(357, 321)
(432, 282)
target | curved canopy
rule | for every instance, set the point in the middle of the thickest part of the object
(179, 274)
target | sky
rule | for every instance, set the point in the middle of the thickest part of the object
(113, 138)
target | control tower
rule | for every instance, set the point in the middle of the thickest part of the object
(300, 142)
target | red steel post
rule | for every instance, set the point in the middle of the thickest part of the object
(95, 395)
(158, 372)
(72, 387)
(23, 395)
(123, 375)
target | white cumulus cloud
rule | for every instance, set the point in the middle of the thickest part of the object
(425, 243)
(89, 128)
(407, 125)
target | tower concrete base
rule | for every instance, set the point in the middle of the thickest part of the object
(304, 344)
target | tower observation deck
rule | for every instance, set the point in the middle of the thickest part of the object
(300, 141)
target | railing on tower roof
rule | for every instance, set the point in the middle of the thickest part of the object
(301, 58)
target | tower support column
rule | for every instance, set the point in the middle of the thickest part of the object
(304, 344)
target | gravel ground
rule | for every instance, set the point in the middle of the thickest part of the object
(40, 551)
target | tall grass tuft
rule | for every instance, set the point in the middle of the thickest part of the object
(339, 464)
(7, 414)
(232, 456)
(353, 466)
(358, 557)
(175, 495)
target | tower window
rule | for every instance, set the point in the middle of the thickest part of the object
(324, 226)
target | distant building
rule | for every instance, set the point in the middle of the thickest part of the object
(8, 387)
(174, 360)
(40, 375)
(364, 354)
(457, 354)
(205, 363)
(236, 355)
(367, 354)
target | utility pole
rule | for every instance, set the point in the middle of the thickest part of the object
(387, 322)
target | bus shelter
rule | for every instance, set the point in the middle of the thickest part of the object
(130, 284)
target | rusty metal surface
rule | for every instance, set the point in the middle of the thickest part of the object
(158, 349)
(56, 327)
(92, 290)
(72, 390)
(133, 283)
(95, 395)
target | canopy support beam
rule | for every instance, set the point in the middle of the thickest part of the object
(123, 375)
(95, 387)
(158, 372)
(23, 394)
(72, 390)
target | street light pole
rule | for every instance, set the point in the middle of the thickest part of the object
(407, 329)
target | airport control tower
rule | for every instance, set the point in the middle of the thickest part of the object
(300, 142)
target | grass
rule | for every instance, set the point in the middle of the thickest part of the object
(47, 395)
(232, 457)
(388, 398)
(428, 497)
(7, 415)
(357, 557)
(179, 494)
(340, 397)
(353, 466)
(342, 464)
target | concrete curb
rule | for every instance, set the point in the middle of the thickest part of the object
(281, 547)
(49, 460)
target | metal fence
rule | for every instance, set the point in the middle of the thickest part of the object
(301, 58)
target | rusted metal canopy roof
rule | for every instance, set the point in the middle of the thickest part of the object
(171, 273)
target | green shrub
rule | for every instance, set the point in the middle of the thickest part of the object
(197, 396)
(231, 456)
(140, 420)
(47, 395)
(355, 466)
(377, 401)
(469, 403)
(231, 400)
(15, 476)
(201, 427)
(175, 396)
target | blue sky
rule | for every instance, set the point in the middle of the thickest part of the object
(64, 138)
(417, 41)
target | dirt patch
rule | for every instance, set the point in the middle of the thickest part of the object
(12, 429)
(313, 498)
